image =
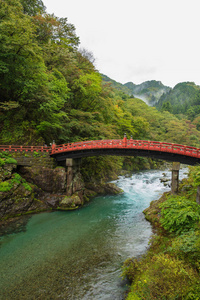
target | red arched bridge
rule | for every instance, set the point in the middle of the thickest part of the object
(124, 147)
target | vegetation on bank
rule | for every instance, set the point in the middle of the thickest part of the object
(6, 158)
(170, 269)
(7, 183)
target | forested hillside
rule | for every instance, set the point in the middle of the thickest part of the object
(50, 89)
(182, 100)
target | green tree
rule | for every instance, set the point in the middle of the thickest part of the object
(52, 111)
(166, 106)
(21, 66)
(33, 7)
(87, 89)
(51, 29)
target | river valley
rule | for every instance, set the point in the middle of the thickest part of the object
(79, 254)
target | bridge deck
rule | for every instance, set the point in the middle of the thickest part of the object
(125, 147)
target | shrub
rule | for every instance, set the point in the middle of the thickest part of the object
(187, 246)
(163, 277)
(179, 214)
(10, 160)
(6, 158)
(4, 154)
(2, 162)
(130, 269)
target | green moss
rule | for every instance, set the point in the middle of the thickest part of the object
(5, 186)
(27, 186)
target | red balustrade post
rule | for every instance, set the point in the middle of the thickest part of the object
(53, 146)
(125, 140)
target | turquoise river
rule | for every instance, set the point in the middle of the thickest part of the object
(79, 254)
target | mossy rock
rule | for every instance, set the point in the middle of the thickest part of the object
(152, 213)
(70, 201)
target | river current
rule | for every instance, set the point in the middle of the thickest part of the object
(79, 254)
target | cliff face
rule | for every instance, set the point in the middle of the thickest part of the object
(30, 189)
(43, 186)
(16, 195)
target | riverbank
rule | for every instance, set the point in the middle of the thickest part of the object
(32, 183)
(170, 268)
(78, 254)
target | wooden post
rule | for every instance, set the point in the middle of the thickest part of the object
(175, 177)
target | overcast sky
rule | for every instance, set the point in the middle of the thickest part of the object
(138, 40)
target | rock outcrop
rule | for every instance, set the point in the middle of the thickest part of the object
(28, 189)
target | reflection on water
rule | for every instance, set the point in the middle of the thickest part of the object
(79, 254)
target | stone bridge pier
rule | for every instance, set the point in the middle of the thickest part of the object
(175, 178)
(73, 175)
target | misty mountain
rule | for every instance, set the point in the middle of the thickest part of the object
(149, 91)
(183, 99)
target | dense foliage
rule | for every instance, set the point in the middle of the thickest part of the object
(50, 90)
(170, 270)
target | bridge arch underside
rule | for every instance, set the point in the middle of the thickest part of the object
(188, 160)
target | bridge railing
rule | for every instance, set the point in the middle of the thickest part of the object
(101, 144)
(16, 148)
(130, 144)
